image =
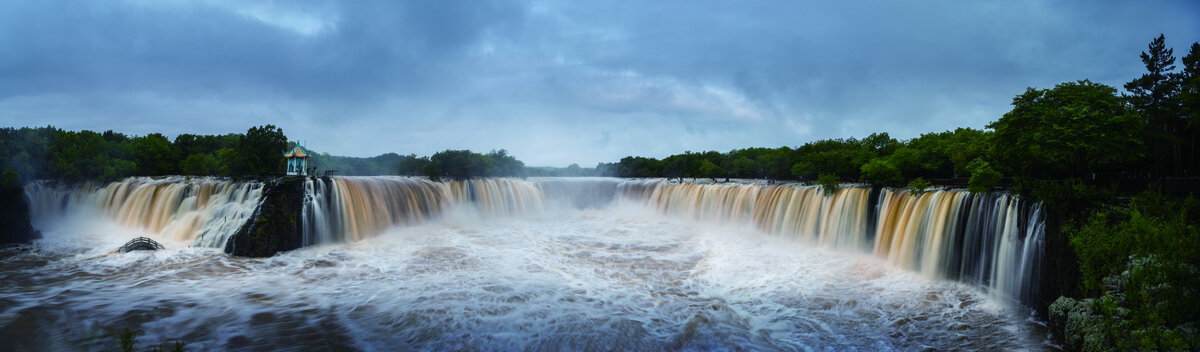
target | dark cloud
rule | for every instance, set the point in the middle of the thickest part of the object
(557, 82)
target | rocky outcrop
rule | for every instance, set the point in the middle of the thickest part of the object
(1146, 313)
(277, 225)
(1076, 325)
(15, 226)
(1060, 268)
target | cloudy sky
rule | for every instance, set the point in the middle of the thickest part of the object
(557, 82)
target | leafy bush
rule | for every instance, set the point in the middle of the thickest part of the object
(1145, 259)
(918, 185)
(828, 182)
(983, 176)
(881, 172)
(9, 178)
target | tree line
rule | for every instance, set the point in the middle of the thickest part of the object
(460, 164)
(1078, 131)
(52, 153)
(383, 164)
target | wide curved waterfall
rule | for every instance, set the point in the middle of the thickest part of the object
(990, 239)
(993, 240)
(525, 264)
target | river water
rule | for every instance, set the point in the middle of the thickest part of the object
(621, 277)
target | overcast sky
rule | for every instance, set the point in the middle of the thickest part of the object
(559, 82)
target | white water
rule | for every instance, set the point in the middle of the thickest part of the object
(202, 211)
(497, 274)
(623, 278)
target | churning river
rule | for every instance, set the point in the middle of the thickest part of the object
(552, 264)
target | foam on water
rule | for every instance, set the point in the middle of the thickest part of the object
(621, 278)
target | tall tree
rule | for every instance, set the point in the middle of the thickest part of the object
(411, 165)
(1074, 129)
(260, 152)
(153, 155)
(1154, 95)
(1189, 98)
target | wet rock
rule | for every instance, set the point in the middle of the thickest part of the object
(277, 224)
(1059, 274)
(1077, 326)
(140, 244)
(15, 226)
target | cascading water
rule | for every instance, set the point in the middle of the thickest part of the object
(352, 208)
(203, 211)
(341, 209)
(991, 239)
(539, 264)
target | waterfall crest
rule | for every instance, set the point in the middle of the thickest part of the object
(992, 240)
(204, 211)
(340, 209)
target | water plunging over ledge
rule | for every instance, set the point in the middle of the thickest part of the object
(531, 264)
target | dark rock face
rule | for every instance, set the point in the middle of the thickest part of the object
(15, 226)
(277, 225)
(1060, 268)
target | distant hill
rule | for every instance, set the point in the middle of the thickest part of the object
(384, 164)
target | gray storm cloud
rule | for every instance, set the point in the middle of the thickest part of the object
(557, 82)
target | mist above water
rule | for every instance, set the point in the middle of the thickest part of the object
(618, 278)
(590, 264)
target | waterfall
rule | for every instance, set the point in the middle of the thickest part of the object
(204, 211)
(992, 240)
(837, 220)
(340, 209)
(497, 196)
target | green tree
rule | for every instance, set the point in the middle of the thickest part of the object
(9, 178)
(1075, 129)
(84, 155)
(918, 185)
(203, 164)
(260, 152)
(636, 166)
(709, 169)
(506, 165)
(983, 176)
(457, 164)
(829, 183)
(881, 172)
(411, 165)
(841, 158)
(26, 152)
(153, 155)
(674, 166)
(1154, 95)
(228, 159)
(745, 168)
(1189, 98)
(1143, 259)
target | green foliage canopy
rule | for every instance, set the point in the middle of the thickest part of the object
(1074, 129)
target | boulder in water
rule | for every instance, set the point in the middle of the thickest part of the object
(140, 244)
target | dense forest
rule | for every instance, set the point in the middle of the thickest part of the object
(459, 164)
(52, 153)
